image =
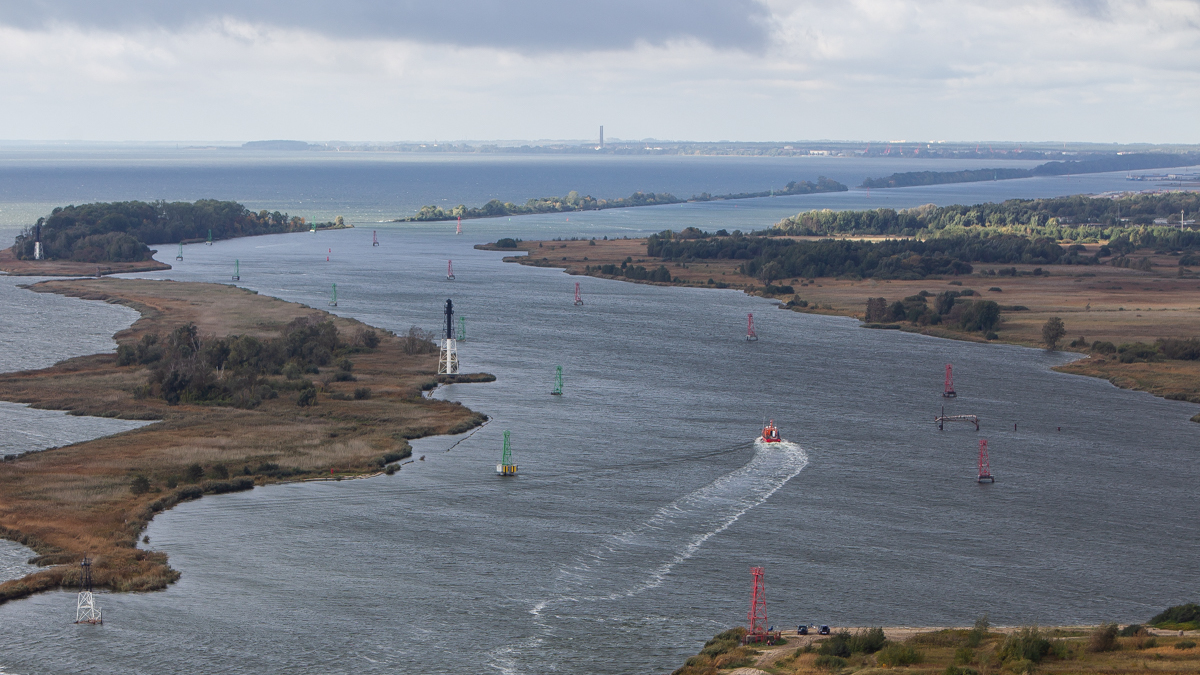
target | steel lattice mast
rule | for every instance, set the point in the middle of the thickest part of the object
(86, 610)
(985, 469)
(450, 270)
(458, 230)
(448, 358)
(949, 392)
(578, 299)
(333, 300)
(506, 466)
(374, 237)
(557, 381)
(750, 334)
(756, 620)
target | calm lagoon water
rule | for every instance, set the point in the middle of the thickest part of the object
(642, 500)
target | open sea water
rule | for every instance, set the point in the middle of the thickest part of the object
(642, 499)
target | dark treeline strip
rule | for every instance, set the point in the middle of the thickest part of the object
(1079, 218)
(770, 258)
(123, 231)
(803, 187)
(573, 201)
(1130, 162)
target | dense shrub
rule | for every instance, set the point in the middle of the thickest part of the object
(837, 645)
(361, 393)
(140, 485)
(1027, 644)
(830, 662)
(902, 654)
(194, 473)
(1133, 630)
(1104, 638)
(867, 641)
(1185, 644)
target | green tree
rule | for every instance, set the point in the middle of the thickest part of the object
(1053, 331)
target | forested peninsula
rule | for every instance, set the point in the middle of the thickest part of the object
(1079, 218)
(122, 232)
(574, 202)
(1131, 162)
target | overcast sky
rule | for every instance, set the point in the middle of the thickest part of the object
(752, 70)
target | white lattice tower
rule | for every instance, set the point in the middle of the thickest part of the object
(448, 358)
(86, 610)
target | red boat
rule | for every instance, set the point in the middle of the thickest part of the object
(770, 434)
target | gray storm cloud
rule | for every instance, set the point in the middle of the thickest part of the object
(522, 25)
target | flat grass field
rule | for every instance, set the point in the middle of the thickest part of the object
(1068, 650)
(78, 500)
(1095, 302)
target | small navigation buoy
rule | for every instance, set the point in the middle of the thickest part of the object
(327, 257)
(422, 458)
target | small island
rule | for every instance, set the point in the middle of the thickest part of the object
(240, 389)
(110, 238)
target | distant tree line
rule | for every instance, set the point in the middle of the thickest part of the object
(803, 187)
(1078, 218)
(189, 368)
(1131, 162)
(573, 201)
(124, 231)
(771, 258)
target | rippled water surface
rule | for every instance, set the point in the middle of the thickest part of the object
(642, 499)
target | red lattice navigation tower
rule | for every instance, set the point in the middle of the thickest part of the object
(949, 392)
(578, 299)
(985, 471)
(450, 270)
(374, 237)
(459, 229)
(756, 620)
(751, 336)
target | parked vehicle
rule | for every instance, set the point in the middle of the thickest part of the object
(823, 631)
(802, 630)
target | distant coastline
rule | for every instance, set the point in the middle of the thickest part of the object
(573, 202)
(1132, 162)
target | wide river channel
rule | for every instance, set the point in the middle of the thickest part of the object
(641, 501)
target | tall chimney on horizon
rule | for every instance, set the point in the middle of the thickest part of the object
(601, 136)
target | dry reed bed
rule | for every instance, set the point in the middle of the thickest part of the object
(77, 500)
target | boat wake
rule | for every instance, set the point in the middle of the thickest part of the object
(641, 558)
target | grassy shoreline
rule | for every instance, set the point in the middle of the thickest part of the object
(79, 500)
(1098, 302)
(956, 651)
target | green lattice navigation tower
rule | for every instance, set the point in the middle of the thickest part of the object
(237, 270)
(506, 466)
(557, 381)
(462, 329)
(209, 242)
(333, 301)
(180, 256)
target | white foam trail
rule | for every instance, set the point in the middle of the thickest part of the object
(649, 552)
